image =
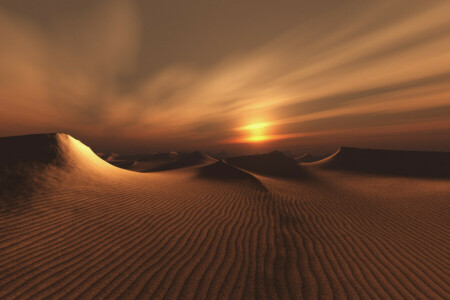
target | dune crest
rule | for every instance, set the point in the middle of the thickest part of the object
(306, 157)
(29, 161)
(309, 158)
(389, 162)
(271, 164)
(142, 162)
(222, 170)
(57, 149)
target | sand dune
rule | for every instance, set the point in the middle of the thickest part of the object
(308, 157)
(89, 230)
(156, 156)
(109, 156)
(38, 162)
(124, 164)
(223, 171)
(144, 162)
(41, 151)
(196, 158)
(390, 162)
(271, 164)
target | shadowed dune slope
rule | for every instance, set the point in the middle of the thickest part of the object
(306, 157)
(20, 153)
(123, 164)
(223, 171)
(23, 159)
(389, 162)
(109, 156)
(32, 163)
(270, 164)
(142, 163)
(167, 156)
(193, 159)
(95, 231)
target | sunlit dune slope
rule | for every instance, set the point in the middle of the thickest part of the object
(38, 162)
(390, 162)
(37, 151)
(271, 164)
(89, 230)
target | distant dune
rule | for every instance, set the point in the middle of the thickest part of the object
(193, 159)
(390, 162)
(224, 171)
(307, 157)
(272, 164)
(110, 156)
(76, 227)
(220, 155)
(150, 156)
(144, 162)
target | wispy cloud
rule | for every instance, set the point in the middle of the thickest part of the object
(376, 60)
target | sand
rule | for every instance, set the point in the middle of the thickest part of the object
(195, 158)
(74, 226)
(271, 164)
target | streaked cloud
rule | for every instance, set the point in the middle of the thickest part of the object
(81, 77)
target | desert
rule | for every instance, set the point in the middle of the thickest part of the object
(75, 226)
(203, 149)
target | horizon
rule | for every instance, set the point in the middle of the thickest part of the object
(135, 77)
(243, 151)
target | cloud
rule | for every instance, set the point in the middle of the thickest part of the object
(381, 59)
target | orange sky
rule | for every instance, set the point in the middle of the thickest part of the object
(133, 76)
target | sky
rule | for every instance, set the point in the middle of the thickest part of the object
(133, 76)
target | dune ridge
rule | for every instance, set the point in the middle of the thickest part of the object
(191, 234)
(389, 162)
(194, 159)
(273, 164)
(222, 170)
(306, 157)
(54, 149)
(38, 162)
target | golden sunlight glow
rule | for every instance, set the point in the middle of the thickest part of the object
(257, 138)
(254, 126)
(377, 65)
(256, 132)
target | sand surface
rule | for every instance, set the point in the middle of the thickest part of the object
(78, 227)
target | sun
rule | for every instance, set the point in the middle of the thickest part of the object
(257, 138)
(255, 132)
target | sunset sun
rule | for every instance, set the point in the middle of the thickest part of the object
(255, 132)
(257, 138)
